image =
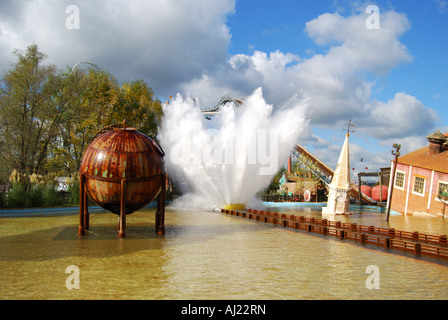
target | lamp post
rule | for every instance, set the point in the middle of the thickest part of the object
(395, 152)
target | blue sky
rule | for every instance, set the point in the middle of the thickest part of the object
(391, 82)
(279, 25)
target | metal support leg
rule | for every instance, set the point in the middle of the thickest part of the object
(160, 214)
(82, 220)
(86, 208)
(83, 211)
(122, 221)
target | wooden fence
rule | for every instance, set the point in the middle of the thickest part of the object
(417, 242)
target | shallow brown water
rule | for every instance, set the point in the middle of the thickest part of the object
(205, 255)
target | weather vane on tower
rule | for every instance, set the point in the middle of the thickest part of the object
(349, 124)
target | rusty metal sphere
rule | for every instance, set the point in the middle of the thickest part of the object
(123, 154)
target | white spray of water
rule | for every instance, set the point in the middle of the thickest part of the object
(228, 159)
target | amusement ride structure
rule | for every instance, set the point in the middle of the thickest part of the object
(212, 111)
(303, 156)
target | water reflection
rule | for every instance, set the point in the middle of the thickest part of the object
(205, 255)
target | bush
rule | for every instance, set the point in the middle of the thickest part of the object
(2, 199)
(38, 191)
(36, 196)
(18, 197)
(51, 197)
(73, 193)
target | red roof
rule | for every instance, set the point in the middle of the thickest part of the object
(422, 159)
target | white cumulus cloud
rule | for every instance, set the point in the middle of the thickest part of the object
(165, 42)
(182, 46)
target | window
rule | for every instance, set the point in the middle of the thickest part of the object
(399, 179)
(442, 191)
(419, 185)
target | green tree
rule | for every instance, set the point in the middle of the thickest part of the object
(94, 94)
(136, 104)
(48, 118)
(32, 106)
(100, 102)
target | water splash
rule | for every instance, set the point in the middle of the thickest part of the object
(228, 159)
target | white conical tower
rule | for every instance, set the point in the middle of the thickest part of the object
(340, 186)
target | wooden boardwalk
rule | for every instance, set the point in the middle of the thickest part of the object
(416, 242)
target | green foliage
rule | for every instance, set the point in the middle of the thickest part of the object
(274, 185)
(49, 117)
(137, 106)
(2, 199)
(35, 196)
(73, 193)
(51, 197)
(304, 169)
(18, 197)
(29, 112)
(96, 93)
(33, 191)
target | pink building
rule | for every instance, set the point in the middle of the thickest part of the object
(421, 179)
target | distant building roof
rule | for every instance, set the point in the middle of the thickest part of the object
(422, 159)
